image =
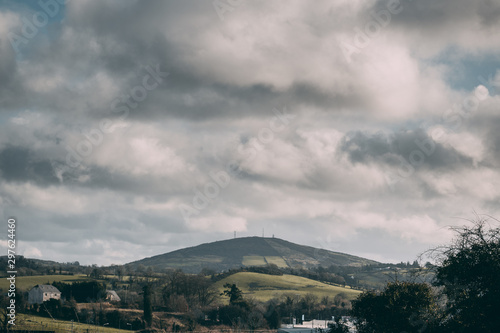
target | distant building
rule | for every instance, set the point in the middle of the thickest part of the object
(112, 296)
(315, 326)
(315, 323)
(297, 330)
(41, 293)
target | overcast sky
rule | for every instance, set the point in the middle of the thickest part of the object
(134, 128)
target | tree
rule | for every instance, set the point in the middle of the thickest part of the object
(120, 271)
(4, 312)
(234, 293)
(148, 308)
(96, 273)
(308, 303)
(468, 271)
(255, 319)
(400, 307)
(338, 327)
(273, 317)
(196, 290)
(84, 291)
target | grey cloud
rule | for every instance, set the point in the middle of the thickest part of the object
(11, 87)
(489, 11)
(428, 15)
(213, 100)
(134, 37)
(20, 164)
(388, 149)
(493, 144)
(159, 186)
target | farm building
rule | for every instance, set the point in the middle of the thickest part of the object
(41, 293)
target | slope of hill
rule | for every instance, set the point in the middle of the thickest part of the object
(263, 287)
(249, 251)
(25, 283)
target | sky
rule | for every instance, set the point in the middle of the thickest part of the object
(134, 128)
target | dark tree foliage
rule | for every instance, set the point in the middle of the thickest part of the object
(234, 293)
(86, 291)
(148, 308)
(400, 307)
(4, 312)
(469, 270)
(196, 290)
(52, 308)
(273, 317)
(232, 315)
(338, 327)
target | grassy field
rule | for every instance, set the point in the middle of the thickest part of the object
(254, 261)
(262, 261)
(27, 282)
(24, 321)
(278, 261)
(378, 279)
(263, 287)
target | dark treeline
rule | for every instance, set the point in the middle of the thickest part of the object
(82, 292)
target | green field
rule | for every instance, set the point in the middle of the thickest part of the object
(24, 321)
(262, 261)
(378, 279)
(263, 287)
(278, 261)
(254, 261)
(27, 282)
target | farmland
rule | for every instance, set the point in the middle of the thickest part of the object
(263, 287)
(24, 321)
(24, 283)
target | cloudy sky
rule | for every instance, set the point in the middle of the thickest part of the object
(133, 128)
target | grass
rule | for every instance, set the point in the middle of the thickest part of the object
(254, 261)
(264, 287)
(27, 282)
(24, 321)
(278, 261)
(379, 279)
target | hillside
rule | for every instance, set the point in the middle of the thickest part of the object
(249, 251)
(25, 283)
(264, 287)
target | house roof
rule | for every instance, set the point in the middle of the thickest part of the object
(47, 288)
(111, 294)
(297, 330)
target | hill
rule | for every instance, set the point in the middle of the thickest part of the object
(263, 287)
(249, 251)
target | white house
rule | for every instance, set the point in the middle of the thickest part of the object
(41, 293)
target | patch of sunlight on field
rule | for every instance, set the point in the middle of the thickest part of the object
(254, 261)
(278, 261)
(26, 322)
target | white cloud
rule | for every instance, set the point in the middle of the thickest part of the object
(33, 252)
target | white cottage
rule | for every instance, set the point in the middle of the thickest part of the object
(41, 293)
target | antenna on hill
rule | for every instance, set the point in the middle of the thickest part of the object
(235, 234)
(262, 232)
